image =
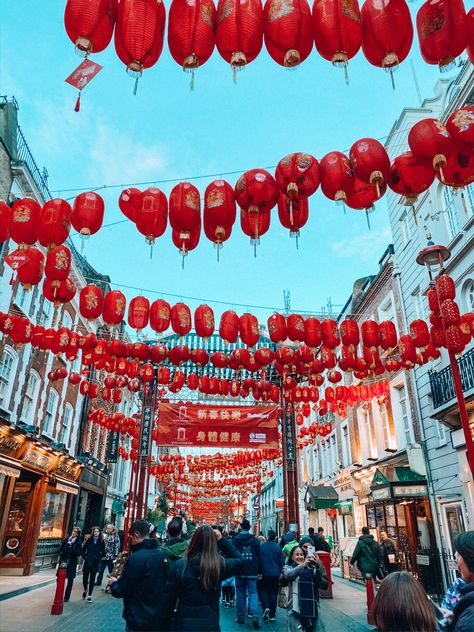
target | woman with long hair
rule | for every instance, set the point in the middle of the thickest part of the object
(70, 550)
(401, 605)
(194, 583)
(93, 550)
(305, 575)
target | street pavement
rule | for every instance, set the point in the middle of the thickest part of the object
(30, 612)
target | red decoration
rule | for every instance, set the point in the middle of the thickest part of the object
(113, 310)
(248, 329)
(181, 319)
(65, 292)
(349, 331)
(151, 213)
(31, 272)
(254, 225)
(219, 212)
(87, 213)
(330, 333)
(295, 327)
(90, 24)
(55, 223)
(5, 214)
(91, 302)
(186, 241)
(450, 312)
(387, 32)
(287, 31)
(470, 35)
(229, 326)
(312, 332)
(204, 321)
(442, 31)
(139, 34)
(293, 214)
(297, 175)
(458, 172)
(409, 178)
(239, 33)
(420, 333)
(160, 314)
(387, 335)
(129, 202)
(58, 264)
(370, 334)
(256, 191)
(24, 222)
(277, 331)
(430, 143)
(184, 208)
(138, 312)
(337, 178)
(445, 287)
(370, 162)
(337, 28)
(191, 28)
(461, 125)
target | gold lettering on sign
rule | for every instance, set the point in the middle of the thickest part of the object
(38, 460)
(8, 445)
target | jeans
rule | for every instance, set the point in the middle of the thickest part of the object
(243, 584)
(269, 594)
(103, 565)
(88, 578)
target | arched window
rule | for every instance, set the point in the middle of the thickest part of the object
(452, 222)
(30, 397)
(7, 370)
(68, 418)
(51, 410)
(468, 295)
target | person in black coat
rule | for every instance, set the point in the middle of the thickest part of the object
(461, 619)
(93, 550)
(69, 551)
(194, 582)
(142, 580)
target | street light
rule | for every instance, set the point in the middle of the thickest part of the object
(433, 258)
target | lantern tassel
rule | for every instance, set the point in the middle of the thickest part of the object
(367, 216)
(135, 87)
(344, 208)
(234, 73)
(151, 252)
(255, 249)
(463, 199)
(346, 73)
(77, 107)
(182, 262)
(291, 212)
(191, 83)
(296, 239)
(442, 175)
(392, 78)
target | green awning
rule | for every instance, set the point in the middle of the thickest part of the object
(321, 497)
(399, 474)
(117, 507)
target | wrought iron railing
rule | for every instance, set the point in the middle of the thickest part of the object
(442, 384)
(25, 157)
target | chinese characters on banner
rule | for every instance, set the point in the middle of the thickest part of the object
(146, 428)
(113, 443)
(188, 424)
(289, 430)
(83, 74)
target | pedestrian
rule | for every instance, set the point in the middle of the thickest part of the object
(141, 582)
(305, 575)
(389, 551)
(461, 618)
(312, 535)
(290, 542)
(321, 543)
(176, 544)
(69, 551)
(194, 583)
(401, 605)
(367, 555)
(246, 581)
(228, 592)
(112, 548)
(93, 550)
(272, 565)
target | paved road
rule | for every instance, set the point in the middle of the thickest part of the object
(30, 612)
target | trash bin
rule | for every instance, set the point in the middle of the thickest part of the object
(326, 560)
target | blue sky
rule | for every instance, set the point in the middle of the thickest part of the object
(168, 132)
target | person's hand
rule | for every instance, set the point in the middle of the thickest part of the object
(317, 559)
(111, 580)
(448, 614)
(309, 560)
(87, 536)
(218, 534)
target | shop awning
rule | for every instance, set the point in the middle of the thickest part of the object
(9, 468)
(321, 497)
(344, 506)
(69, 487)
(117, 507)
(397, 482)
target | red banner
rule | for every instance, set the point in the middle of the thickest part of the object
(85, 72)
(185, 424)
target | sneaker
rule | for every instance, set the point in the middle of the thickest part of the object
(89, 598)
(231, 603)
(84, 595)
(256, 624)
(272, 619)
(266, 614)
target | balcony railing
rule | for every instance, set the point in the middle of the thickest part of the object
(442, 384)
(25, 157)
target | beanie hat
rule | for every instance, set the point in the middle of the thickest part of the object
(289, 536)
(305, 540)
(464, 545)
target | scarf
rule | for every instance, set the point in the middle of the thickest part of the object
(308, 593)
(71, 540)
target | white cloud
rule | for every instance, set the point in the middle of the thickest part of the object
(362, 245)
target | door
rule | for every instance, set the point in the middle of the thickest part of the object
(454, 522)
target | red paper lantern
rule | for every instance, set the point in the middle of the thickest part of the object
(295, 327)
(181, 319)
(58, 264)
(184, 208)
(256, 191)
(139, 34)
(200, 357)
(407, 349)
(337, 178)
(277, 331)
(312, 332)
(219, 359)
(387, 32)
(349, 331)
(55, 223)
(24, 222)
(264, 356)
(179, 354)
(458, 172)
(450, 312)
(138, 312)
(229, 326)
(370, 334)
(288, 32)
(420, 333)
(219, 211)
(293, 214)
(337, 30)
(129, 202)
(191, 28)
(5, 214)
(430, 143)
(445, 288)
(330, 333)
(91, 302)
(461, 124)
(152, 214)
(239, 33)
(370, 161)
(409, 178)
(186, 241)
(297, 175)
(470, 35)
(248, 329)
(159, 353)
(31, 272)
(87, 213)
(442, 31)
(204, 321)
(363, 195)
(254, 225)
(66, 291)
(454, 339)
(388, 338)
(90, 24)
(193, 381)
(113, 310)
(160, 314)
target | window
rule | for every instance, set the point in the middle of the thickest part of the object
(405, 229)
(51, 409)
(6, 373)
(404, 413)
(468, 194)
(66, 425)
(451, 213)
(21, 297)
(346, 446)
(66, 320)
(418, 304)
(440, 432)
(386, 311)
(469, 296)
(45, 312)
(29, 399)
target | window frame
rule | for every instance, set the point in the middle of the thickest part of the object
(8, 382)
(49, 421)
(66, 424)
(32, 398)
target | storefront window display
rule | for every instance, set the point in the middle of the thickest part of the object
(17, 518)
(52, 518)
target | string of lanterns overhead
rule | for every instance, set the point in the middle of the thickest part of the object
(288, 28)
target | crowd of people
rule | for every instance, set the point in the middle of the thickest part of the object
(178, 585)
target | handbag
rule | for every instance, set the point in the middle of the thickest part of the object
(283, 592)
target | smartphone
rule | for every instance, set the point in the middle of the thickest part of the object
(311, 550)
(438, 612)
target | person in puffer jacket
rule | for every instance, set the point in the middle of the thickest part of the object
(177, 545)
(246, 581)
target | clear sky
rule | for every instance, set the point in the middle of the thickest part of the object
(168, 132)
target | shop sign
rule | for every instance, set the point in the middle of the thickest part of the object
(38, 459)
(145, 433)
(113, 443)
(289, 429)
(423, 560)
(8, 445)
(381, 494)
(452, 565)
(344, 481)
(66, 470)
(410, 490)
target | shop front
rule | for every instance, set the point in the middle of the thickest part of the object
(37, 487)
(90, 507)
(322, 499)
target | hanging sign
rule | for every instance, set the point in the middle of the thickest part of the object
(16, 259)
(113, 443)
(289, 430)
(223, 426)
(146, 428)
(84, 73)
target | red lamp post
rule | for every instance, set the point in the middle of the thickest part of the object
(433, 258)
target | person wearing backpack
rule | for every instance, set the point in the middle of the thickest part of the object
(246, 581)
(367, 554)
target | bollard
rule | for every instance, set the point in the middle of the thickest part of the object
(369, 587)
(58, 603)
(326, 560)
